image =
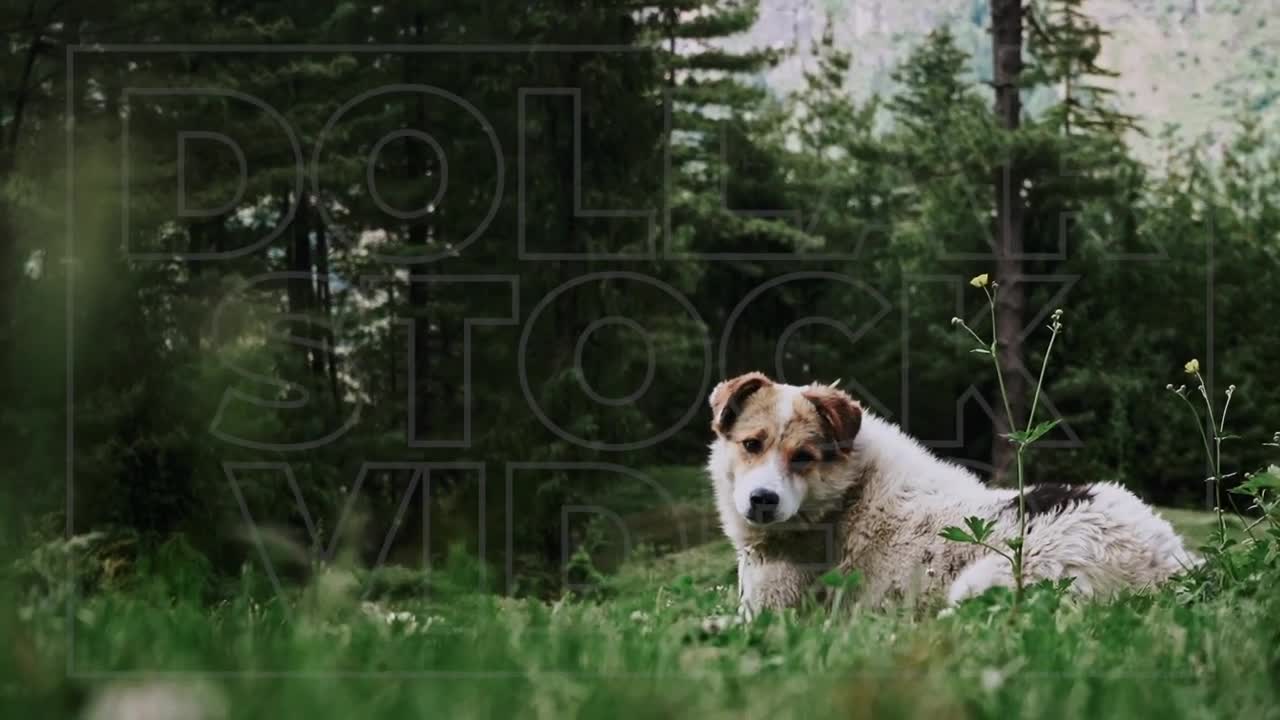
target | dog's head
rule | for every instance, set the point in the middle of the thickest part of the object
(784, 449)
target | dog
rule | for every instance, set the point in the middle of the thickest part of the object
(806, 480)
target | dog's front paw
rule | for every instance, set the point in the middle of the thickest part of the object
(716, 624)
(980, 575)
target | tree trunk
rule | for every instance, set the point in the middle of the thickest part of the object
(562, 140)
(299, 288)
(1006, 30)
(419, 236)
(324, 294)
(10, 140)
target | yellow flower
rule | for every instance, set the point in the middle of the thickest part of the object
(979, 281)
(1192, 367)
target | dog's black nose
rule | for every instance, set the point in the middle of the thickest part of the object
(764, 505)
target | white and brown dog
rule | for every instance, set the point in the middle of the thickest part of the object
(805, 480)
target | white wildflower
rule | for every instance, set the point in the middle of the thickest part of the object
(716, 624)
(991, 679)
(34, 266)
(158, 701)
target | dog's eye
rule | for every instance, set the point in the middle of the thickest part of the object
(752, 445)
(801, 459)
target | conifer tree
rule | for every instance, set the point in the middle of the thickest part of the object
(727, 184)
(1065, 45)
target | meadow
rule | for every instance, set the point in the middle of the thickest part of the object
(236, 298)
(656, 637)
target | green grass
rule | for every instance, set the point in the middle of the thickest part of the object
(1196, 526)
(653, 641)
(646, 653)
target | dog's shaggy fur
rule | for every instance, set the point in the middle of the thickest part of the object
(805, 481)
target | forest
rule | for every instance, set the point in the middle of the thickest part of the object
(436, 292)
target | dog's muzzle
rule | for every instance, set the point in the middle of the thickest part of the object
(764, 506)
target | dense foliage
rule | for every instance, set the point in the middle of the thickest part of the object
(507, 218)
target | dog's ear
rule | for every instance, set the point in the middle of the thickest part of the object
(728, 397)
(841, 414)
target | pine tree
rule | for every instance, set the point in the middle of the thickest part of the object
(1065, 45)
(839, 179)
(940, 144)
(1080, 184)
(727, 171)
(721, 119)
(1081, 162)
(941, 130)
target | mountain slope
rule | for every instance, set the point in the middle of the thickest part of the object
(1192, 63)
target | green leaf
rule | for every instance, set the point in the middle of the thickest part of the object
(852, 579)
(955, 534)
(980, 529)
(1029, 436)
(1268, 479)
(838, 580)
(832, 578)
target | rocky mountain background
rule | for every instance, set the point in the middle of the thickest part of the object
(1194, 65)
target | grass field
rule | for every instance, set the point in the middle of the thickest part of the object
(657, 638)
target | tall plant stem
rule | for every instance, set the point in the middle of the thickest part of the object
(1022, 530)
(1004, 395)
(1215, 457)
(1035, 399)
(1022, 500)
(1022, 439)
